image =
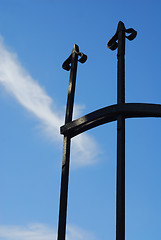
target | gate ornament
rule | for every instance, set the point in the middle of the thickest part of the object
(118, 112)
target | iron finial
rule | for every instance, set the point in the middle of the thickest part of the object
(67, 63)
(113, 42)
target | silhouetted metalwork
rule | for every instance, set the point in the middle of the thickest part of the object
(118, 112)
(69, 64)
(120, 192)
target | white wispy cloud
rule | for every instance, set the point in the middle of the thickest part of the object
(77, 233)
(18, 82)
(30, 232)
(41, 232)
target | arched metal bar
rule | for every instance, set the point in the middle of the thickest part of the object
(110, 114)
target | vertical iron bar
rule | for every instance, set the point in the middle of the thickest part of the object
(120, 195)
(66, 147)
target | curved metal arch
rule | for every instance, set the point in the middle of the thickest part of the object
(110, 114)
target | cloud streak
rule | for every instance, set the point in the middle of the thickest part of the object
(40, 232)
(18, 83)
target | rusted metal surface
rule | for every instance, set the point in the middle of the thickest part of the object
(69, 64)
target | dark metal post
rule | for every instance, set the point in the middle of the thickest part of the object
(94, 119)
(66, 147)
(120, 195)
(118, 41)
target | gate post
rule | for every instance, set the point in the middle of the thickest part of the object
(69, 64)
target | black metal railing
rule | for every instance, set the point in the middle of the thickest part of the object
(118, 112)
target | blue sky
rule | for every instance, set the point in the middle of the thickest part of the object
(36, 37)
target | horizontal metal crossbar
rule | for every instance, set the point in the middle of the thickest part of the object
(110, 114)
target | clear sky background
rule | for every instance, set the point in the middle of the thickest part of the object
(36, 37)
